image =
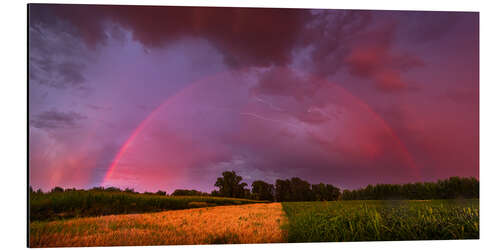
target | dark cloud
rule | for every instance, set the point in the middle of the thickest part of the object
(54, 119)
(254, 36)
(246, 36)
(56, 57)
(373, 58)
(331, 33)
(428, 26)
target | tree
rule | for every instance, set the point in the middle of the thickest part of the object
(333, 193)
(262, 190)
(113, 189)
(229, 185)
(187, 192)
(300, 190)
(319, 192)
(283, 190)
(160, 192)
(451, 188)
(322, 192)
(57, 190)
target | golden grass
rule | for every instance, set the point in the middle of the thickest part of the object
(255, 223)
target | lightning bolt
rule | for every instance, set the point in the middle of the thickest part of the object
(272, 106)
(268, 119)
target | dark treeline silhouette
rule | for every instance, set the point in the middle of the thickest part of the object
(96, 189)
(451, 188)
(295, 189)
(186, 192)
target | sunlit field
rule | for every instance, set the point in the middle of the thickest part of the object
(382, 220)
(255, 223)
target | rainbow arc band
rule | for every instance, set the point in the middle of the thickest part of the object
(143, 124)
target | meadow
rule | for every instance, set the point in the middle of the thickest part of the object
(382, 220)
(84, 203)
(254, 223)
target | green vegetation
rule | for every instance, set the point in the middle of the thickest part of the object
(229, 185)
(451, 188)
(382, 220)
(296, 189)
(187, 192)
(61, 204)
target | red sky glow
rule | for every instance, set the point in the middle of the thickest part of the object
(161, 98)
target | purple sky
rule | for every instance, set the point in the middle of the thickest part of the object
(169, 97)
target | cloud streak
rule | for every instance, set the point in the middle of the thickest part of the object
(54, 119)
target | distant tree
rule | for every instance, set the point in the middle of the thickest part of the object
(262, 190)
(247, 194)
(129, 190)
(320, 192)
(98, 189)
(451, 188)
(31, 189)
(346, 195)
(187, 192)
(333, 193)
(282, 189)
(300, 190)
(215, 193)
(57, 190)
(39, 191)
(160, 192)
(229, 185)
(113, 189)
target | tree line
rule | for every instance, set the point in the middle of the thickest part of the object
(295, 189)
(451, 188)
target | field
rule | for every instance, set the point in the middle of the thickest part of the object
(382, 220)
(255, 223)
(269, 222)
(70, 204)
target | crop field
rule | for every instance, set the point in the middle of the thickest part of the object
(382, 220)
(70, 204)
(268, 223)
(255, 223)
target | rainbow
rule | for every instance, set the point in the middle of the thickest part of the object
(152, 114)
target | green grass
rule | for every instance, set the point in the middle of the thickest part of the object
(382, 220)
(71, 204)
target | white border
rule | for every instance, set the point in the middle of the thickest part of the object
(13, 123)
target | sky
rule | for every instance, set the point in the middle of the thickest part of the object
(164, 98)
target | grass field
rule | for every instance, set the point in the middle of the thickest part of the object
(269, 222)
(255, 223)
(70, 204)
(382, 220)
